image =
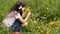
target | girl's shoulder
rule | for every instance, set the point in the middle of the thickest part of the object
(11, 13)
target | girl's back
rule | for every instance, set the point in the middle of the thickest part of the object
(9, 18)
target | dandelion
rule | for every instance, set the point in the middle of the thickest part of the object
(41, 31)
(27, 9)
(47, 32)
(2, 14)
(51, 23)
(57, 28)
(47, 8)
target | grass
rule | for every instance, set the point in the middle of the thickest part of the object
(45, 17)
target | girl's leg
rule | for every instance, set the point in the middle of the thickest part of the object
(16, 27)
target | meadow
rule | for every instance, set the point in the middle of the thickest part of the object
(44, 19)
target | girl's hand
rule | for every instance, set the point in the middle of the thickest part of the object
(25, 24)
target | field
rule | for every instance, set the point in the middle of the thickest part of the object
(44, 19)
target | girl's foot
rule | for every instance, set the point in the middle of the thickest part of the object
(16, 32)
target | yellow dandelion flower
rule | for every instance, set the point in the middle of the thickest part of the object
(47, 8)
(27, 9)
(41, 31)
(47, 32)
(2, 14)
(57, 28)
(51, 23)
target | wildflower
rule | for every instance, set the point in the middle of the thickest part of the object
(47, 8)
(57, 28)
(41, 31)
(2, 14)
(27, 9)
(47, 32)
(51, 23)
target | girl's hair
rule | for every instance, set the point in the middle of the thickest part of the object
(16, 7)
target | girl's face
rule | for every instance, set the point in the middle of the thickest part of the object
(22, 8)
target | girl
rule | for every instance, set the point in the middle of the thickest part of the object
(14, 17)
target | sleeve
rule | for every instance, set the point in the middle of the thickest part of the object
(18, 16)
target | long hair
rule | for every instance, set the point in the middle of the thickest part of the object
(16, 7)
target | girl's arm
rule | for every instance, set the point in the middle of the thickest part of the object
(28, 14)
(24, 20)
(18, 16)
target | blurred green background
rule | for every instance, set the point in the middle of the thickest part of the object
(45, 17)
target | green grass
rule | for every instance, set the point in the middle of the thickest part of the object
(45, 17)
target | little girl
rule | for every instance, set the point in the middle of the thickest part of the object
(14, 18)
